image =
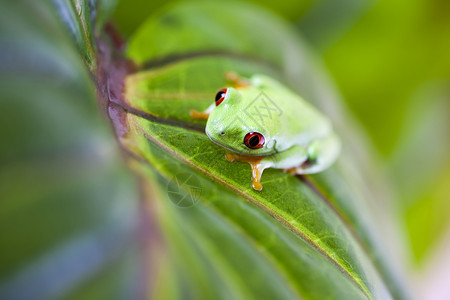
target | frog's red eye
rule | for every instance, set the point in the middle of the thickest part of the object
(220, 96)
(254, 140)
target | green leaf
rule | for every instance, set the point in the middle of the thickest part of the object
(129, 15)
(327, 19)
(75, 14)
(81, 17)
(68, 205)
(318, 236)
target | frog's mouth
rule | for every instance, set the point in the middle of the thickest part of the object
(222, 145)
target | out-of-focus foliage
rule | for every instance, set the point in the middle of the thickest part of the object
(424, 185)
(129, 17)
(84, 19)
(393, 67)
(392, 51)
(320, 20)
(68, 205)
(326, 20)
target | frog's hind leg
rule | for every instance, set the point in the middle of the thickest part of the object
(321, 154)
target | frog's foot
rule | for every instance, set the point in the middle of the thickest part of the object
(232, 157)
(195, 114)
(321, 154)
(198, 115)
(236, 80)
(203, 115)
(300, 169)
(255, 163)
(291, 171)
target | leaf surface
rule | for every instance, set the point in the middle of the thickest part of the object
(184, 53)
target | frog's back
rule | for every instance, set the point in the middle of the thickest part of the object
(280, 109)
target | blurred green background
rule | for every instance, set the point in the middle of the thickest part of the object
(391, 61)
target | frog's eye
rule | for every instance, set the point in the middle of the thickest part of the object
(220, 96)
(254, 140)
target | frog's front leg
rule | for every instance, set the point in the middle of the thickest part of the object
(202, 114)
(321, 154)
(236, 80)
(293, 156)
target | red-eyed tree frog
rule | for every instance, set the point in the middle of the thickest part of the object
(264, 123)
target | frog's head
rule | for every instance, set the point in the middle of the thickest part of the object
(230, 127)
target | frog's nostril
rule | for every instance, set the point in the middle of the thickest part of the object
(222, 133)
